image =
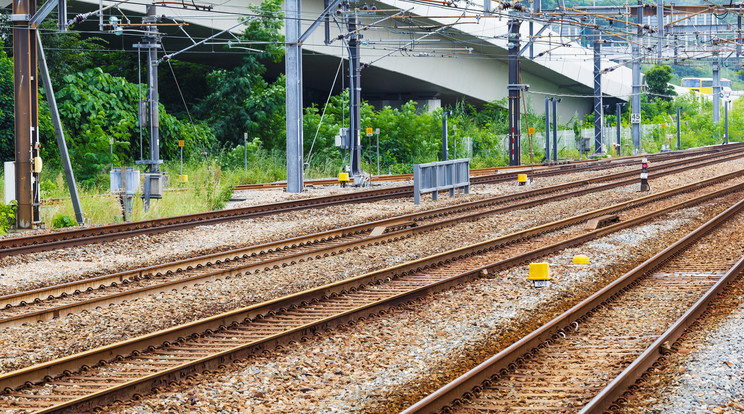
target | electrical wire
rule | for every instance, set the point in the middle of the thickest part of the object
(322, 115)
(180, 93)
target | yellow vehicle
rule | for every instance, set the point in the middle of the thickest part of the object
(705, 85)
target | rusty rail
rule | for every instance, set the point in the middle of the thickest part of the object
(81, 236)
(622, 383)
(62, 290)
(561, 167)
(462, 388)
(177, 335)
(292, 258)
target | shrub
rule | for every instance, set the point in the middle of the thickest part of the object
(61, 221)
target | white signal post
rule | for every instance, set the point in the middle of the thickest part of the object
(644, 175)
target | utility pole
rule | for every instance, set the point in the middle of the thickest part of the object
(445, 144)
(597, 93)
(738, 32)
(618, 114)
(679, 133)
(635, 116)
(547, 130)
(660, 28)
(293, 86)
(725, 109)
(355, 98)
(152, 42)
(514, 93)
(555, 127)
(26, 111)
(717, 90)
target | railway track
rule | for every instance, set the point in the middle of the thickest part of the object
(586, 359)
(82, 236)
(475, 172)
(406, 177)
(58, 300)
(134, 367)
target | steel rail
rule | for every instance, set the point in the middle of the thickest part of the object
(622, 383)
(244, 269)
(615, 162)
(14, 299)
(103, 355)
(400, 222)
(464, 386)
(474, 172)
(76, 237)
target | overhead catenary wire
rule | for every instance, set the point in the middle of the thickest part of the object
(180, 93)
(322, 115)
(423, 23)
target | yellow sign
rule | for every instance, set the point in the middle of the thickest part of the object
(663, 125)
(531, 131)
(369, 132)
(181, 143)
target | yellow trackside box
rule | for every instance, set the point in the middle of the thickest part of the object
(581, 259)
(343, 177)
(521, 178)
(539, 271)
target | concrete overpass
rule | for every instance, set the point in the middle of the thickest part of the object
(469, 63)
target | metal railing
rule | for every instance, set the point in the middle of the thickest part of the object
(443, 175)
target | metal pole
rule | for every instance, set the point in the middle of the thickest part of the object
(679, 130)
(618, 115)
(26, 114)
(181, 164)
(717, 91)
(355, 101)
(636, 100)
(738, 31)
(660, 24)
(597, 94)
(444, 136)
(59, 132)
(547, 130)
(378, 150)
(725, 108)
(245, 151)
(514, 94)
(152, 40)
(555, 129)
(454, 140)
(536, 6)
(293, 86)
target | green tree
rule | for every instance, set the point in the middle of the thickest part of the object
(657, 78)
(7, 136)
(241, 100)
(96, 107)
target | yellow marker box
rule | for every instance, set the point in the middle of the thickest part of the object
(521, 178)
(343, 177)
(539, 271)
(581, 259)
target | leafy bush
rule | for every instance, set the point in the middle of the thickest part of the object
(96, 107)
(61, 221)
(7, 216)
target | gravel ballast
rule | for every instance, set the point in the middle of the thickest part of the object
(455, 327)
(79, 332)
(385, 364)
